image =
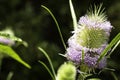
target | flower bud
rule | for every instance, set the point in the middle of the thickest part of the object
(67, 71)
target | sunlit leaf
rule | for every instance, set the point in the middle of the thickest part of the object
(10, 52)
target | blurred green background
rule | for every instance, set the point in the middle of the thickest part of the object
(34, 25)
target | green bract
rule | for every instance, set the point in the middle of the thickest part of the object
(91, 37)
(67, 71)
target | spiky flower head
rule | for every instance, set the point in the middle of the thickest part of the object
(67, 71)
(90, 39)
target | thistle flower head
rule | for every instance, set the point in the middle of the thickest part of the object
(91, 37)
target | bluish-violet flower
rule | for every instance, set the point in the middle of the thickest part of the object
(89, 39)
(74, 55)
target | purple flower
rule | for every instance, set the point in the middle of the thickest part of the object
(91, 58)
(74, 55)
(89, 40)
(86, 21)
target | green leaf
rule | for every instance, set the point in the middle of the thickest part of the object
(115, 42)
(9, 77)
(49, 60)
(73, 15)
(10, 52)
(106, 69)
(58, 27)
(47, 69)
(114, 48)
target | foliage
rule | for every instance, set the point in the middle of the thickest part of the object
(35, 26)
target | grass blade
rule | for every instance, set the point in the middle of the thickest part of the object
(49, 60)
(73, 15)
(10, 52)
(58, 27)
(47, 69)
(111, 44)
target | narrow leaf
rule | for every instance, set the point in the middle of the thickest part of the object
(73, 15)
(49, 60)
(9, 77)
(10, 52)
(114, 48)
(47, 69)
(114, 76)
(111, 44)
(58, 27)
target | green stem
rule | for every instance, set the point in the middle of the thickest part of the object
(53, 77)
(84, 72)
(58, 27)
(49, 60)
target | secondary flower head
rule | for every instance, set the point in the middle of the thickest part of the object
(89, 39)
(6, 41)
(67, 71)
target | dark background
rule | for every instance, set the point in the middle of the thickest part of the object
(33, 24)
